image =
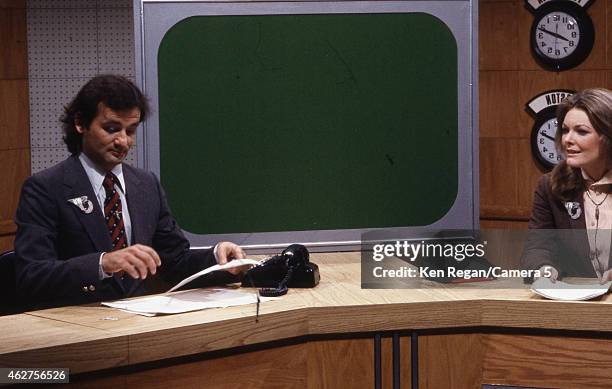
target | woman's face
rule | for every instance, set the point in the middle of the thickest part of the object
(582, 144)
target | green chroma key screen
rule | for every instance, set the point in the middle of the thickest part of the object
(308, 122)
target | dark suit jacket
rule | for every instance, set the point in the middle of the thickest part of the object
(555, 238)
(58, 246)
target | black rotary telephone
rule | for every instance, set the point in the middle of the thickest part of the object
(289, 269)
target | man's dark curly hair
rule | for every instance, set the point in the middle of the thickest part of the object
(116, 92)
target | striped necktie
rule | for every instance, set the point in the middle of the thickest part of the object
(113, 212)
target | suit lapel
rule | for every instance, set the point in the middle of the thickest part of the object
(136, 198)
(76, 185)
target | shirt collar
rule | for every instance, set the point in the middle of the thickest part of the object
(96, 176)
(605, 180)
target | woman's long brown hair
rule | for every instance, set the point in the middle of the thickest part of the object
(567, 182)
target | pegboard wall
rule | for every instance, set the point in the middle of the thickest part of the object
(70, 41)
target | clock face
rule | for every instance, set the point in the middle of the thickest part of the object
(557, 35)
(545, 140)
(562, 35)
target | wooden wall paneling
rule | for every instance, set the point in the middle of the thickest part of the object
(450, 361)
(525, 18)
(13, 50)
(504, 246)
(14, 114)
(12, 3)
(532, 83)
(98, 381)
(597, 59)
(608, 36)
(7, 227)
(6, 242)
(498, 23)
(503, 224)
(446, 361)
(529, 173)
(282, 367)
(15, 168)
(405, 362)
(547, 361)
(499, 99)
(504, 243)
(498, 172)
(386, 353)
(344, 363)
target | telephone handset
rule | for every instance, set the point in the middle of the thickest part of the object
(291, 268)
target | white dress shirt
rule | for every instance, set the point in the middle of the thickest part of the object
(96, 178)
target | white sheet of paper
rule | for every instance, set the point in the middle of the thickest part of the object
(229, 265)
(186, 301)
(569, 292)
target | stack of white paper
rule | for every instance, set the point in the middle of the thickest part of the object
(191, 300)
(229, 265)
(570, 292)
(185, 301)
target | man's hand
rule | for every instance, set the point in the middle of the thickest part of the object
(549, 272)
(226, 251)
(607, 276)
(137, 261)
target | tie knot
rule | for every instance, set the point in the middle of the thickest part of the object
(109, 181)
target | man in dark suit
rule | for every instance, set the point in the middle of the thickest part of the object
(92, 228)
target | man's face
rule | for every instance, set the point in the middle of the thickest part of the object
(110, 136)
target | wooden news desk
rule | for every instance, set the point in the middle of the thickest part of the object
(335, 335)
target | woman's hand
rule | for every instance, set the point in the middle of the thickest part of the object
(550, 272)
(607, 276)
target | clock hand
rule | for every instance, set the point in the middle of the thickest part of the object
(553, 34)
(548, 136)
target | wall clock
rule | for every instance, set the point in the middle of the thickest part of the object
(544, 107)
(562, 34)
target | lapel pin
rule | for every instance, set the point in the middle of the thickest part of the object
(573, 209)
(83, 203)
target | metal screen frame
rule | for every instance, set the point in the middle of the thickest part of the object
(153, 18)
